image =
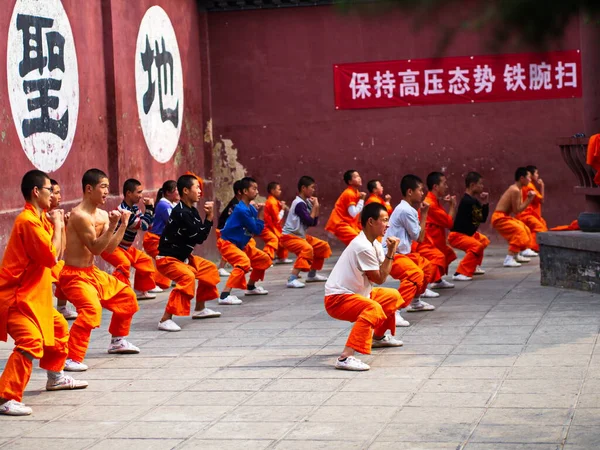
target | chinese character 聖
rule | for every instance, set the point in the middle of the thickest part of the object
(561, 74)
(514, 77)
(433, 84)
(540, 76)
(484, 79)
(360, 85)
(459, 83)
(385, 83)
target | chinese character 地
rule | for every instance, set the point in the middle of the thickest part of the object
(540, 76)
(514, 77)
(433, 83)
(459, 83)
(564, 78)
(483, 79)
(360, 85)
(164, 68)
(409, 84)
(34, 59)
(385, 83)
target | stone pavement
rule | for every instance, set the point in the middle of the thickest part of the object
(503, 363)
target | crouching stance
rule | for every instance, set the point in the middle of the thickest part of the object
(349, 292)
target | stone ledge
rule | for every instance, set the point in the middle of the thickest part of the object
(575, 240)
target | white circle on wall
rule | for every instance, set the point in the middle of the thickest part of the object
(159, 84)
(43, 81)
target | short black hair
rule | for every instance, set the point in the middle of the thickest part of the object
(246, 182)
(409, 182)
(305, 181)
(92, 177)
(520, 172)
(371, 211)
(434, 178)
(237, 187)
(372, 185)
(53, 182)
(32, 179)
(130, 185)
(531, 169)
(472, 177)
(272, 185)
(185, 182)
(348, 175)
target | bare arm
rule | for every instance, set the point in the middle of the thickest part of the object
(379, 276)
(84, 228)
(518, 205)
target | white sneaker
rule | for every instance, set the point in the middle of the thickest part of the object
(123, 347)
(67, 313)
(156, 290)
(419, 305)
(401, 321)
(429, 294)
(230, 300)
(146, 295)
(529, 253)
(461, 277)
(206, 314)
(258, 290)
(168, 325)
(65, 382)
(387, 341)
(74, 366)
(15, 408)
(316, 278)
(510, 261)
(442, 284)
(224, 273)
(351, 363)
(479, 271)
(283, 261)
(522, 259)
(295, 283)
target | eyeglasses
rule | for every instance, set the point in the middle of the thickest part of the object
(48, 188)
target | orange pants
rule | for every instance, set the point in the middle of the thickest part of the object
(185, 275)
(473, 246)
(90, 290)
(310, 252)
(536, 225)
(273, 245)
(345, 232)
(58, 293)
(414, 273)
(150, 244)
(440, 257)
(513, 230)
(373, 315)
(123, 260)
(29, 341)
(242, 261)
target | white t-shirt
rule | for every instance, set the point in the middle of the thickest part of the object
(348, 274)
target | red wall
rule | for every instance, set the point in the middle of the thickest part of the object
(108, 133)
(272, 94)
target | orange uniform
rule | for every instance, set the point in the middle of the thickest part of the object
(150, 244)
(271, 233)
(371, 316)
(473, 246)
(434, 247)
(532, 215)
(310, 252)
(90, 290)
(341, 223)
(414, 272)
(26, 311)
(373, 198)
(242, 261)
(185, 275)
(513, 230)
(123, 260)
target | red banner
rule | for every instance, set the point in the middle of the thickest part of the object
(467, 79)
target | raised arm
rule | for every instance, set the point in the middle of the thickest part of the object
(84, 228)
(518, 205)
(379, 276)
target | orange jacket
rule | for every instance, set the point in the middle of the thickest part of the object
(25, 275)
(272, 210)
(377, 199)
(535, 207)
(340, 214)
(593, 155)
(438, 220)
